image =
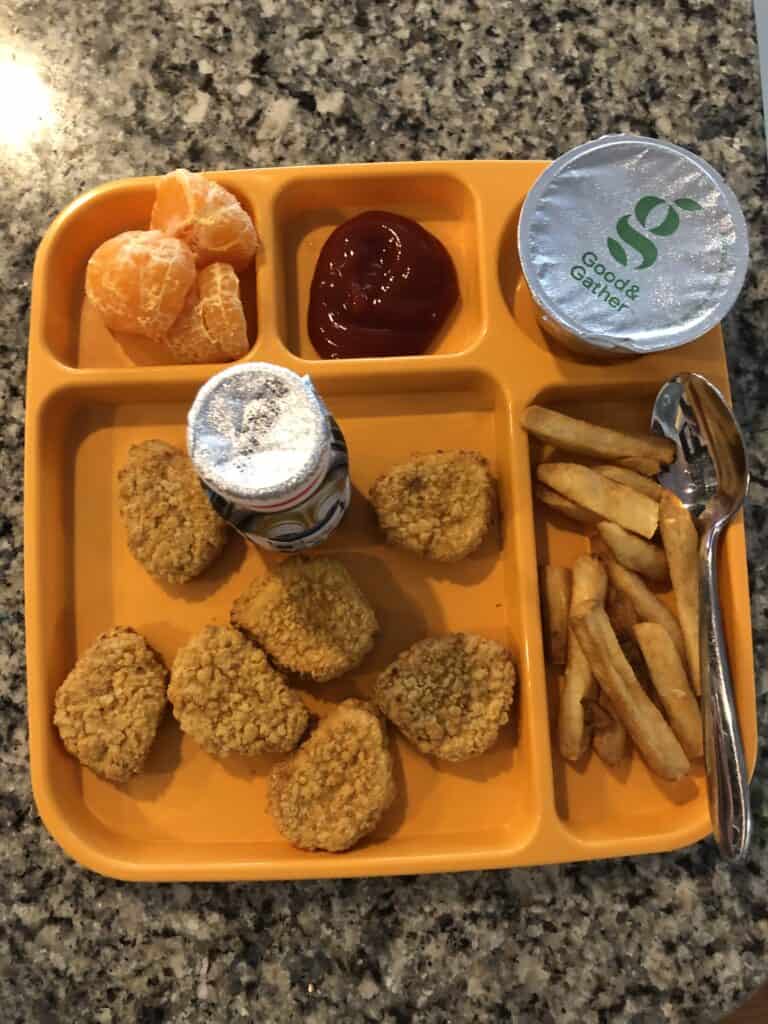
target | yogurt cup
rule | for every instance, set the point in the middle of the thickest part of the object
(631, 245)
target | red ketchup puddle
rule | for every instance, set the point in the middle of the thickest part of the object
(383, 286)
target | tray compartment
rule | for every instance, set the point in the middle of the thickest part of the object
(71, 329)
(308, 208)
(187, 807)
(628, 803)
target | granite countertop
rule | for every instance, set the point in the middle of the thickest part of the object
(142, 87)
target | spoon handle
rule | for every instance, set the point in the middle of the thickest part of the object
(727, 778)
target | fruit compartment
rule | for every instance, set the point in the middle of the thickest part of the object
(190, 815)
(598, 804)
(70, 329)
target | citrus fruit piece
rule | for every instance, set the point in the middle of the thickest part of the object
(212, 326)
(139, 280)
(222, 308)
(207, 217)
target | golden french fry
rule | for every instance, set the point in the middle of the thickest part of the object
(647, 606)
(641, 718)
(612, 501)
(564, 505)
(590, 582)
(681, 543)
(609, 739)
(646, 467)
(671, 683)
(572, 727)
(590, 585)
(630, 478)
(575, 435)
(556, 584)
(634, 553)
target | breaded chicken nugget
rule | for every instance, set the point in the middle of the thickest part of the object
(172, 529)
(439, 505)
(108, 708)
(450, 695)
(310, 617)
(227, 696)
(334, 789)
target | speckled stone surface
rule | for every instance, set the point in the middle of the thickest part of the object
(142, 87)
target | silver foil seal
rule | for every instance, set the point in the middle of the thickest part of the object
(271, 457)
(631, 245)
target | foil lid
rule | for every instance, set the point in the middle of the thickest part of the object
(258, 435)
(632, 244)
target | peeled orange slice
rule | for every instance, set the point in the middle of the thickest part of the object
(207, 217)
(222, 308)
(139, 280)
(212, 327)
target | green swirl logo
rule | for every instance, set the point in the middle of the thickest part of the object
(656, 216)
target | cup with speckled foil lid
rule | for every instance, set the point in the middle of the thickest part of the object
(271, 457)
(631, 245)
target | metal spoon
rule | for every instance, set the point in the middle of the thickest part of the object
(710, 477)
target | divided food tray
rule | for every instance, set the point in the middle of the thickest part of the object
(189, 816)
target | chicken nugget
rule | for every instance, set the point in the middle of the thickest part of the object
(172, 529)
(310, 617)
(108, 708)
(450, 695)
(337, 785)
(229, 699)
(439, 505)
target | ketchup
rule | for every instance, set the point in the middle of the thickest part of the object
(383, 286)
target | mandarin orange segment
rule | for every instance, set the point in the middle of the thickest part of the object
(212, 327)
(176, 198)
(188, 341)
(207, 217)
(222, 308)
(139, 281)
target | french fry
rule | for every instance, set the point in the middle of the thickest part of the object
(590, 582)
(609, 740)
(647, 606)
(634, 552)
(671, 684)
(563, 505)
(646, 467)
(557, 600)
(630, 478)
(612, 501)
(575, 435)
(572, 727)
(681, 543)
(642, 719)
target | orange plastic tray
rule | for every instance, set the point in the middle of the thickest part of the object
(189, 816)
